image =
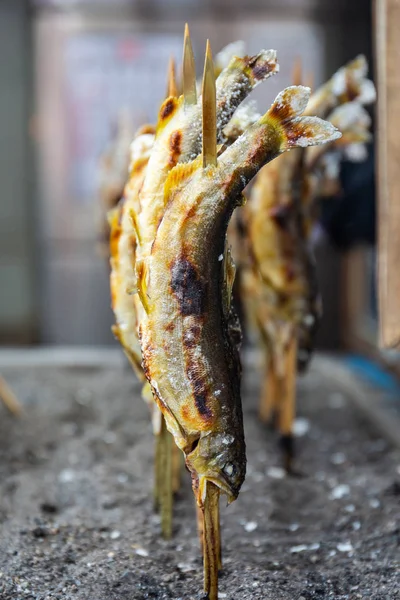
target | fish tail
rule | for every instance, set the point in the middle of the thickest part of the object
(297, 131)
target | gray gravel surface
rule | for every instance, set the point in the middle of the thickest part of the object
(76, 513)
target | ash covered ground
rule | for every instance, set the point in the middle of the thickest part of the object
(77, 519)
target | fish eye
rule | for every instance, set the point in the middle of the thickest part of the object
(229, 469)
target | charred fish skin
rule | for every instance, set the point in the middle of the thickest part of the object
(187, 354)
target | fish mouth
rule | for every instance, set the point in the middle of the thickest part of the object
(218, 480)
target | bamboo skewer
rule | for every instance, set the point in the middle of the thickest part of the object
(188, 70)
(166, 490)
(211, 533)
(287, 404)
(9, 399)
(209, 111)
(185, 273)
(163, 478)
(269, 393)
(172, 86)
(176, 468)
(212, 543)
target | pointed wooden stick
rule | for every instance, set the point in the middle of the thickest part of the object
(167, 494)
(9, 398)
(212, 547)
(172, 87)
(188, 70)
(200, 527)
(297, 74)
(209, 111)
(177, 463)
(158, 451)
(309, 80)
(270, 393)
(287, 406)
(163, 479)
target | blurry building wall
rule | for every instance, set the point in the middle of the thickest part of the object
(17, 303)
(75, 116)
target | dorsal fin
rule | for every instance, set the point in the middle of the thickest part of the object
(179, 174)
(209, 111)
(142, 275)
(135, 224)
(188, 70)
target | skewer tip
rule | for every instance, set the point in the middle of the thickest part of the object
(209, 110)
(188, 70)
(208, 50)
(172, 86)
(297, 75)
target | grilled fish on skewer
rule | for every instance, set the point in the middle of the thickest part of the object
(125, 305)
(113, 173)
(235, 81)
(186, 330)
(279, 218)
(185, 284)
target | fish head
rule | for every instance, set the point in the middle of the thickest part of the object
(219, 458)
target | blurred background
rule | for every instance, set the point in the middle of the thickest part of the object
(69, 69)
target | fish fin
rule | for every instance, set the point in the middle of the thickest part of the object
(135, 224)
(297, 131)
(225, 55)
(350, 116)
(179, 175)
(258, 67)
(142, 280)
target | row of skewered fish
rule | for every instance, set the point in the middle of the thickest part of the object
(278, 278)
(173, 273)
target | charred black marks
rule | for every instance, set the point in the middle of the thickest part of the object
(197, 378)
(167, 108)
(175, 147)
(200, 401)
(188, 287)
(261, 70)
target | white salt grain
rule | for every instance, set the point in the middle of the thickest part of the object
(250, 526)
(276, 472)
(340, 491)
(301, 426)
(66, 476)
(345, 547)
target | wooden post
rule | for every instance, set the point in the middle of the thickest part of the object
(387, 53)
